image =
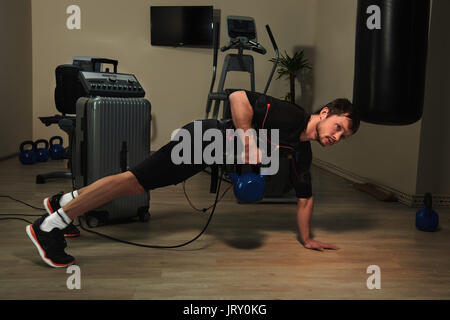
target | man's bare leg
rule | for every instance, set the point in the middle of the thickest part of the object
(101, 192)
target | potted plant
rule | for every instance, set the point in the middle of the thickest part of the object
(291, 67)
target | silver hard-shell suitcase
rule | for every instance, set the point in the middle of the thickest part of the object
(112, 135)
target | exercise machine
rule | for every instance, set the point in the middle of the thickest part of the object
(242, 36)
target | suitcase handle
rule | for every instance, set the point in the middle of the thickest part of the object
(97, 61)
(123, 157)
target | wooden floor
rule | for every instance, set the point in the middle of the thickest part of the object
(248, 251)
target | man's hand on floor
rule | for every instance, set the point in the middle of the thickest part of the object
(320, 246)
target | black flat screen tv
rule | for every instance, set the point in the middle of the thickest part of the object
(190, 26)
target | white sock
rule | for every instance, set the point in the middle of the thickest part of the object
(65, 199)
(58, 220)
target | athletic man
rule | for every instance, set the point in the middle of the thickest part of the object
(332, 123)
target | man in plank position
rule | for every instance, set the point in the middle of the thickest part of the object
(335, 121)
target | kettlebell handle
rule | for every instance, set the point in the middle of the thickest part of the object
(56, 138)
(37, 142)
(27, 142)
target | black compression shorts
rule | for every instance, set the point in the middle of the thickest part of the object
(158, 170)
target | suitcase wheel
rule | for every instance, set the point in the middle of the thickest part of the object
(92, 221)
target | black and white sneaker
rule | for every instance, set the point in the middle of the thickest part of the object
(71, 231)
(51, 204)
(50, 245)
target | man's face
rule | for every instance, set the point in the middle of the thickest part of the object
(330, 130)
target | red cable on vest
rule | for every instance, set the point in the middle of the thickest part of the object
(279, 146)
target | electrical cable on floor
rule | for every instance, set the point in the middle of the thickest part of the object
(29, 205)
(19, 214)
(158, 246)
(129, 242)
(204, 209)
(11, 218)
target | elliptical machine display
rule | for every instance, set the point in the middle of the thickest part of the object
(242, 36)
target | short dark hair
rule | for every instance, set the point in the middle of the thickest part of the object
(342, 106)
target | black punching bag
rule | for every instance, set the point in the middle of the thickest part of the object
(390, 59)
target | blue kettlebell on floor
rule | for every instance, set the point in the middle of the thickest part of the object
(426, 218)
(249, 187)
(42, 153)
(27, 156)
(56, 150)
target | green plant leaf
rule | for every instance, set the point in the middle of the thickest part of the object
(288, 65)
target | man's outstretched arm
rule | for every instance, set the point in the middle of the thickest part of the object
(304, 212)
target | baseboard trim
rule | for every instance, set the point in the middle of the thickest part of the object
(410, 200)
(9, 157)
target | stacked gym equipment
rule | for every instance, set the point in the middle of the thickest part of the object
(112, 134)
(33, 152)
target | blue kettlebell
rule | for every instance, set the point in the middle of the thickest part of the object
(249, 187)
(426, 218)
(27, 156)
(42, 154)
(56, 150)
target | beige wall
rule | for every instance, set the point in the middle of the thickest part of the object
(15, 83)
(433, 174)
(386, 155)
(176, 80)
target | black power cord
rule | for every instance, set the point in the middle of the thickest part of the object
(19, 214)
(120, 240)
(11, 218)
(162, 247)
(29, 205)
